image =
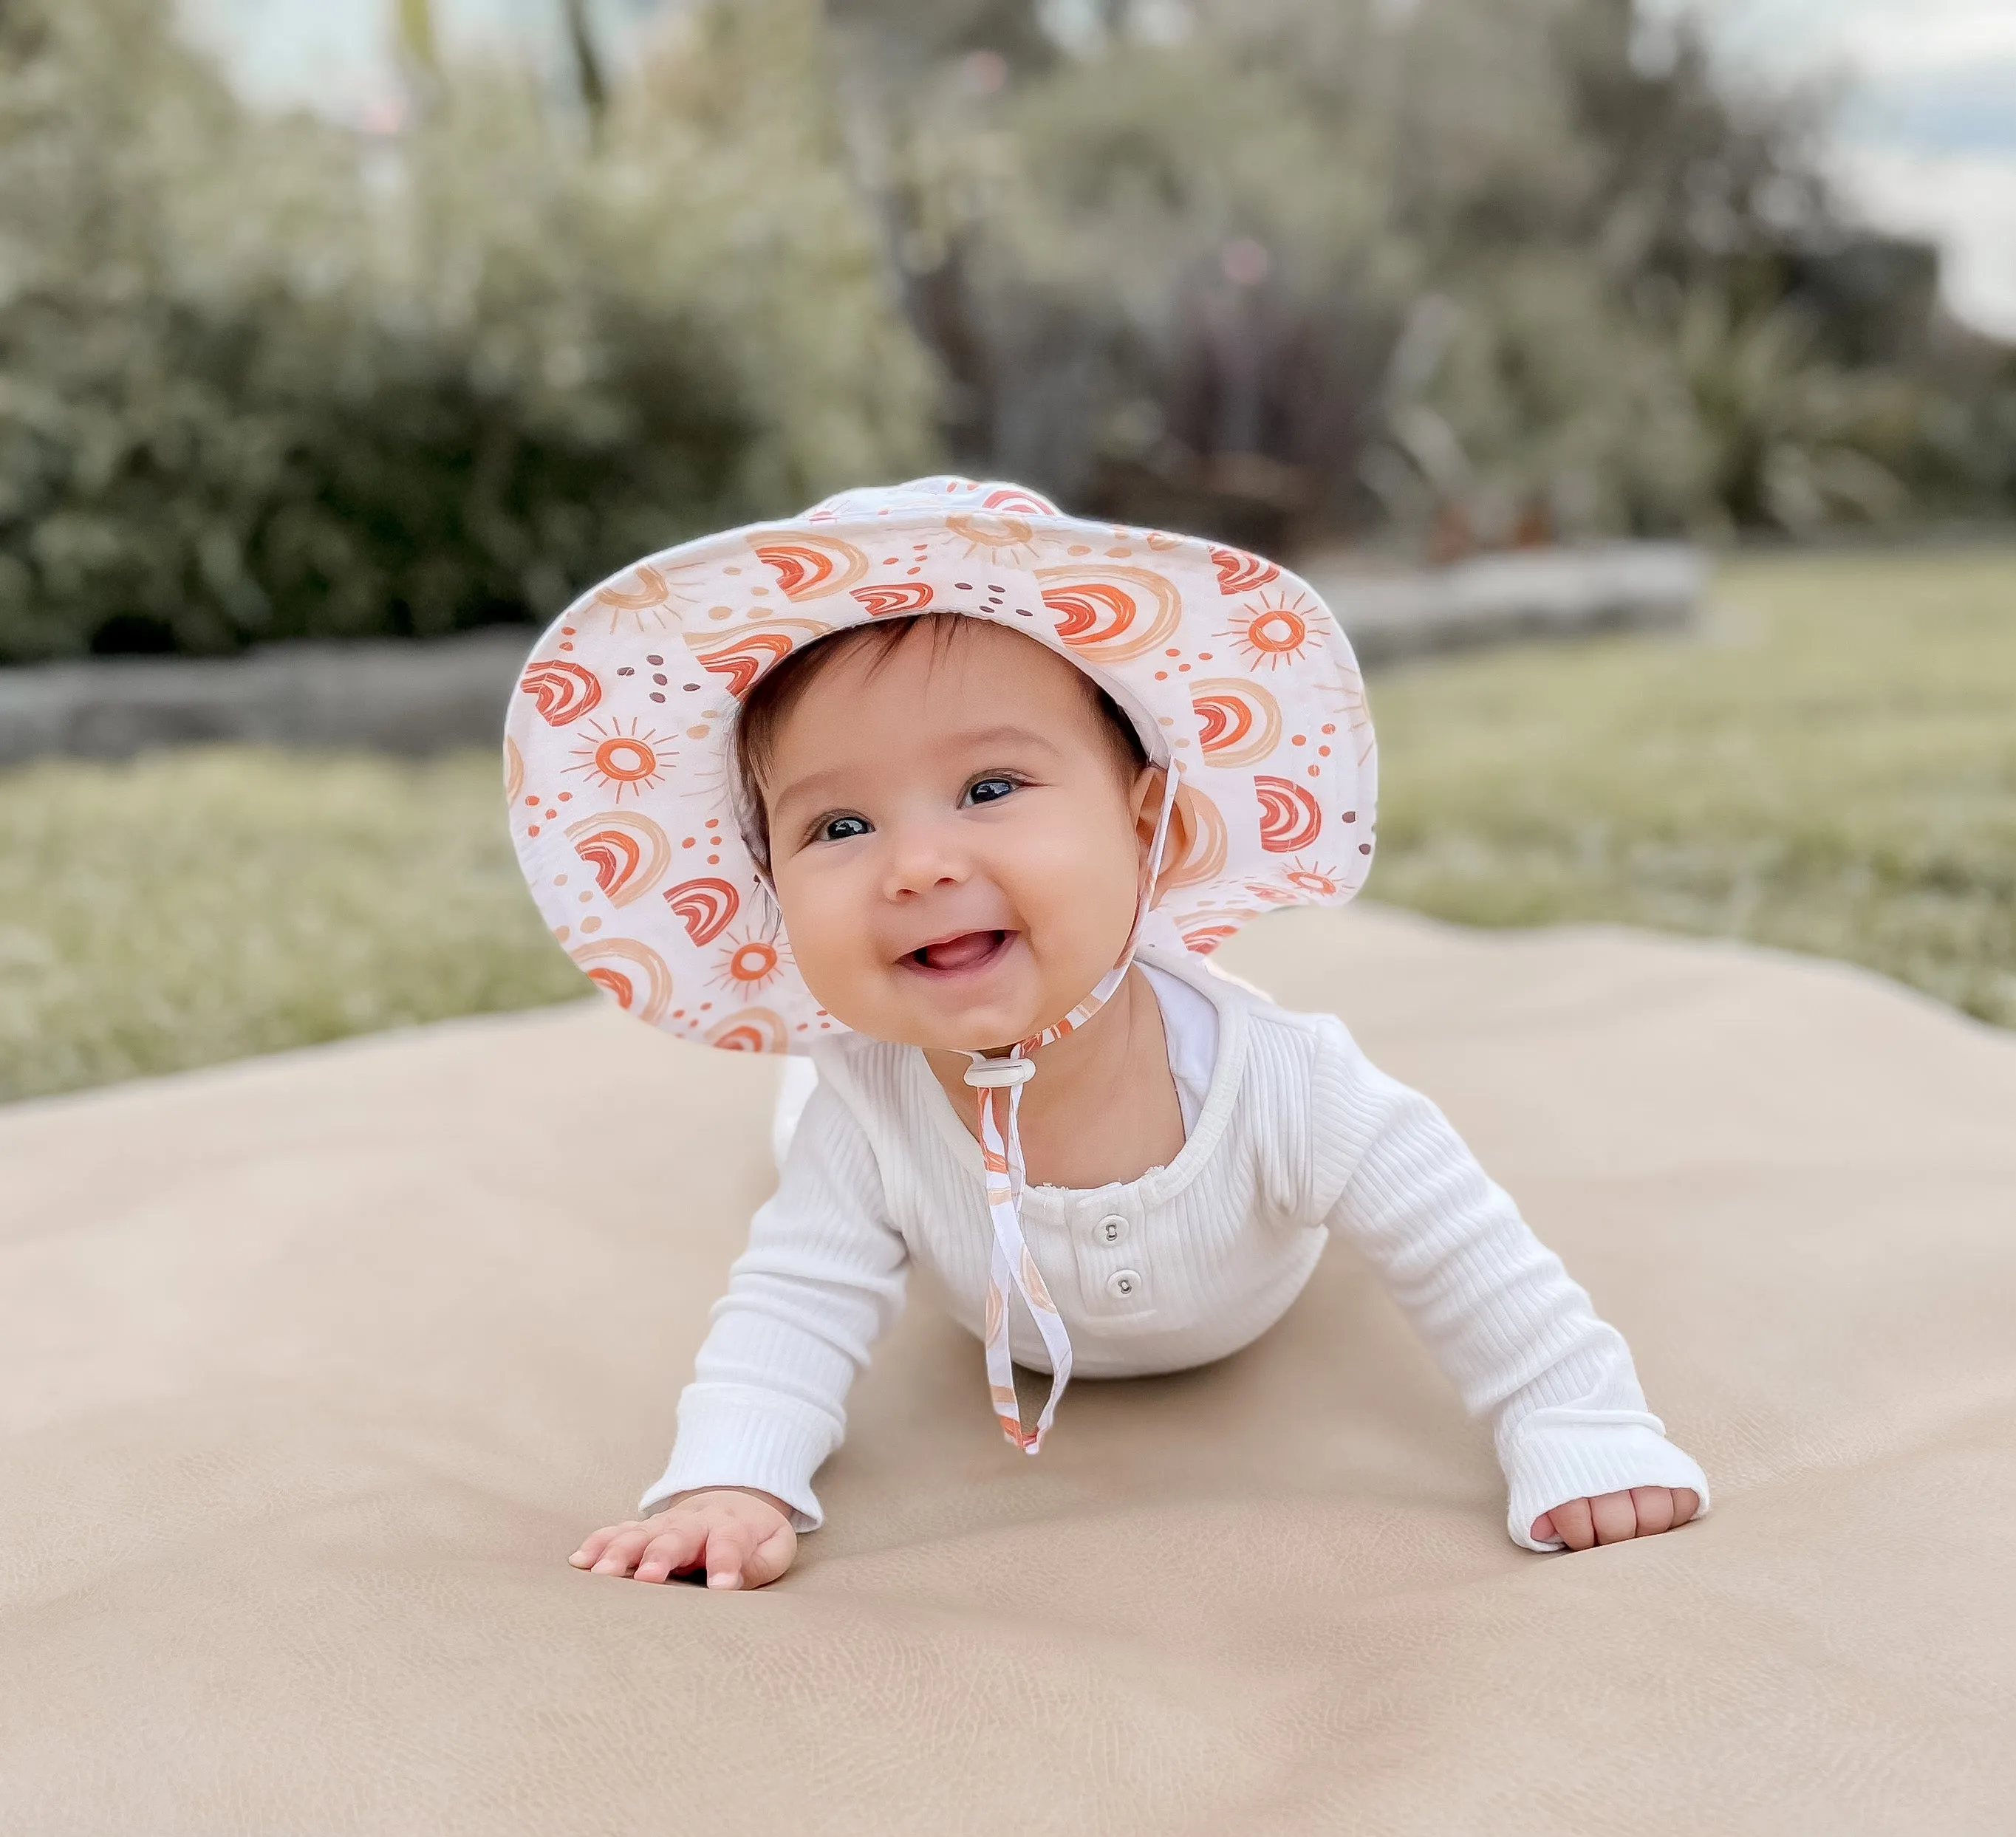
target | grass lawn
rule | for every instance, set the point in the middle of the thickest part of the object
(1831, 767)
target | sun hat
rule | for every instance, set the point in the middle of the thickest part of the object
(620, 765)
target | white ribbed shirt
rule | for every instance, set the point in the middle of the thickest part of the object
(1297, 1135)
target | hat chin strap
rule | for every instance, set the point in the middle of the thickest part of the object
(999, 1081)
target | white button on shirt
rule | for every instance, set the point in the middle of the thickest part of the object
(1291, 1134)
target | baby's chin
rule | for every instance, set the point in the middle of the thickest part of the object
(981, 1027)
(910, 1012)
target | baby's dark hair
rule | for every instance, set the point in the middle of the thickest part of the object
(783, 686)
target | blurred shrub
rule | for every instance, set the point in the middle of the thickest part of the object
(260, 378)
(1492, 269)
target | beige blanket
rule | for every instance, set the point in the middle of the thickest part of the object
(312, 1371)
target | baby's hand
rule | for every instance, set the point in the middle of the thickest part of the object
(1614, 1518)
(743, 1539)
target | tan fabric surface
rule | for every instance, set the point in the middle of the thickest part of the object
(312, 1369)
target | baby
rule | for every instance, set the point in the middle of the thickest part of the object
(975, 824)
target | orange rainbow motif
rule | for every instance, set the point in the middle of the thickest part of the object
(632, 975)
(1013, 498)
(564, 692)
(628, 852)
(1240, 722)
(899, 596)
(808, 566)
(704, 907)
(1240, 573)
(1290, 818)
(746, 658)
(514, 769)
(1200, 940)
(753, 1029)
(1109, 615)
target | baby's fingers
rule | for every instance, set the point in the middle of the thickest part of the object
(729, 1543)
(596, 1542)
(1571, 1524)
(619, 1555)
(677, 1548)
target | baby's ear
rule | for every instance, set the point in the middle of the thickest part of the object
(1147, 801)
(1146, 797)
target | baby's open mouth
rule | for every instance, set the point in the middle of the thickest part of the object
(956, 956)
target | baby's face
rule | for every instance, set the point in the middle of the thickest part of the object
(956, 837)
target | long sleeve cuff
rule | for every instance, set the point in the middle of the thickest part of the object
(1555, 1455)
(740, 1441)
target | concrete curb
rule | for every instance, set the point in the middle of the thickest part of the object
(391, 698)
(418, 698)
(1528, 594)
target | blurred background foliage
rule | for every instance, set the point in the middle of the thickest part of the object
(1459, 273)
(266, 378)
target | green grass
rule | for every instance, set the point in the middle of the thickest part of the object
(200, 906)
(1830, 767)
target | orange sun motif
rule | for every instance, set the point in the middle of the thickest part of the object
(1005, 541)
(623, 760)
(1318, 881)
(1273, 630)
(748, 964)
(646, 599)
(1347, 700)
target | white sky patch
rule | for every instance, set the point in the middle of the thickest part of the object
(340, 57)
(1964, 202)
(1926, 140)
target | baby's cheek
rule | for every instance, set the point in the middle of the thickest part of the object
(1079, 909)
(839, 964)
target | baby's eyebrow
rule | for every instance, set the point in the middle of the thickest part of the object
(814, 785)
(996, 736)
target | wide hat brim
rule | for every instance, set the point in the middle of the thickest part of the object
(618, 752)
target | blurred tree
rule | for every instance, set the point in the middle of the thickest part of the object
(259, 379)
(1491, 269)
(590, 83)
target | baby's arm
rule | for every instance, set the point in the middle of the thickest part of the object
(1584, 1461)
(822, 1279)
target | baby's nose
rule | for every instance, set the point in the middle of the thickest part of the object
(922, 857)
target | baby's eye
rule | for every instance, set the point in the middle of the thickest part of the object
(840, 829)
(989, 790)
